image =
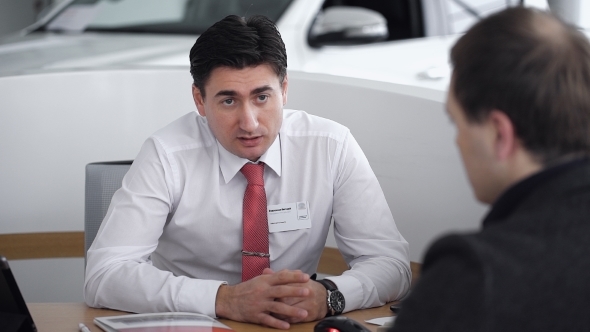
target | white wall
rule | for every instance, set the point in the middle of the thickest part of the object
(409, 142)
(53, 124)
(50, 280)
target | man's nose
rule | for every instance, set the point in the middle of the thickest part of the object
(249, 118)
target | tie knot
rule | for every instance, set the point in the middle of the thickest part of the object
(254, 173)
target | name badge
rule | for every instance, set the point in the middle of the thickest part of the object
(288, 217)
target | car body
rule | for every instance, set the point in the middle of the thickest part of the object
(56, 44)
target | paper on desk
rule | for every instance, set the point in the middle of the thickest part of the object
(381, 321)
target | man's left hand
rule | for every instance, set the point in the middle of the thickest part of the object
(315, 303)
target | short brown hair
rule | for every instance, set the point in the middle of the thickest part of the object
(237, 42)
(536, 69)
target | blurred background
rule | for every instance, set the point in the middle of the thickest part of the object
(18, 14)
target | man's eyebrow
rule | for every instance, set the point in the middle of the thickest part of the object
(232, 93)
(229, 93)
(261, 89)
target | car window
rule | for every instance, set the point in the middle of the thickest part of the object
(414, 18)
(157, 16)
(404, 17)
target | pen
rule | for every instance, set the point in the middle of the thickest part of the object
(83, 328)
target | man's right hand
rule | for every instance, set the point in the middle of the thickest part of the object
(253, 301)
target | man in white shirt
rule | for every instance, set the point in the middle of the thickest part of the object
(174, 237)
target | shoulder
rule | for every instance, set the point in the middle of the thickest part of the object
(477, 252)
(488, 260)
(459, 246)
(300, 123)
(450, 294)
(455, 257)
(188, 131)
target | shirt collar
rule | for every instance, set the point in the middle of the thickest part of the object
(230, 164)
(513, 196)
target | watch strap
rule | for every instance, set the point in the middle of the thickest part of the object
(328, 284)
(330, 287)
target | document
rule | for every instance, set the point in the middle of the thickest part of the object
(160, 322)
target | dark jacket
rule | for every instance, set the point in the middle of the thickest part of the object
(527, 270)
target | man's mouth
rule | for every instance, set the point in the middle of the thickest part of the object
(250, 141)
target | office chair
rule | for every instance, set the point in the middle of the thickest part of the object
(102, 180)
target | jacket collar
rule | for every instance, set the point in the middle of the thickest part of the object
(516, 194)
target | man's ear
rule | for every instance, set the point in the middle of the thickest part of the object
(285, 87)
(506, 142)
(199, 100)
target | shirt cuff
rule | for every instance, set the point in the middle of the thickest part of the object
(352, 290)
(199, 296)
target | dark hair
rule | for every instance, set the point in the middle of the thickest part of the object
(535, 69)
(238, 43)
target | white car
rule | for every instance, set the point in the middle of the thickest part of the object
(372, 39)
(321, 36)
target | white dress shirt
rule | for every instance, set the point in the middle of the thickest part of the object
(173, 232)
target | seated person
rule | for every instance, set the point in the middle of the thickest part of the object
(520, 99)
(226, 212)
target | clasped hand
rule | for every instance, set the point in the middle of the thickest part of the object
(274, 299)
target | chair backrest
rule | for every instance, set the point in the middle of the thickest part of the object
(102, 180)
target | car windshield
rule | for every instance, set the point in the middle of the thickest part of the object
(157, 16)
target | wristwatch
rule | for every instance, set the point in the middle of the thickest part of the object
(335, 298)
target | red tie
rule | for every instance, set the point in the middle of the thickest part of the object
(255, 255)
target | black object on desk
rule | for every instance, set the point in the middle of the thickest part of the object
(14, 314)
(339, 324)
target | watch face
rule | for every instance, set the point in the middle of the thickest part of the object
(337, 301)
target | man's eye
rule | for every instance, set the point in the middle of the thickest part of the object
(262, 98)
(228, 101)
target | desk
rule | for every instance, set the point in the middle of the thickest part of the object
(65, 317)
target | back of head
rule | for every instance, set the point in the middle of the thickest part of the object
(238, 43)
(534, 68)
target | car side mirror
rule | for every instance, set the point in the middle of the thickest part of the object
(347, 25)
